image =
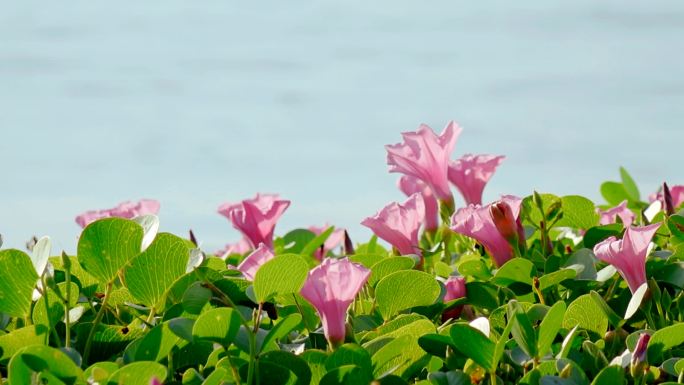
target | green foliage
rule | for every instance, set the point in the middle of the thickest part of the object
(553, 314)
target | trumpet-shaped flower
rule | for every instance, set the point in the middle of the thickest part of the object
(251, 264)
(628, 255)
(331, 287)
(399, 224)
(496, 226)
(455, 289)
(620, 211)
(256, 218)
(425, 155)
(123, 210)
(471, 173)
(410, 185)
(334, 240)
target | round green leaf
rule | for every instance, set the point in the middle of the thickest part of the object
(149, 275)
(284, 274)
(55, 305)
(474, 345)
(405, 289)
(587, 314)
(515, 270)
(294, 363)
(106, 245)
(157, 343)
(578, 212)
(663, 340)
(138, 373)
(550, 326)
(45, 360)
(219, 325)
(11, 342)
(350, 354)
(16, 288)
(345, 375)
(282, 328)
(388, 266)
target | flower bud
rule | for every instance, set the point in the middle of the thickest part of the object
(639, 364)
(504, 221)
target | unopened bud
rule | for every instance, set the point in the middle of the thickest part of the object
(504, 221)
(639, 363)
(667, 198)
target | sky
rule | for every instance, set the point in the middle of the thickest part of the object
(200, 104)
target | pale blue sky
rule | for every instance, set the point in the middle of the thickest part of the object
(195, 104)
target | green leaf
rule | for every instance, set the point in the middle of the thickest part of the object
(578, 212)
(290, 361)
(16, 288)
(11, 342)
(409, 358)
(350, 354)
(149, 275)
(316, 361)
(629, 185)
(219, 325)
(294, 241)
(108, 339)
(157, 343)
(515, 270)
(282, 328)
(523, 332)
(663, 340)
(614, 193)
(345, 375)
(317, 242)
(107, 245)
(475, 268)
(284, 274)
(549, 327)
(388, 266)
(610, 375)
(474, 345)
(368, 260)
(585, 313)
(56, 313)
(482, 294)
(45, 360)
(598, 233)
(613, 318)
(138, 373)
(554, 278)
(416, 287)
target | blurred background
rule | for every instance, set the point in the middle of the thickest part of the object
(196, 104)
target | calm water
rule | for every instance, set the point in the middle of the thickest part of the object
(196, 103)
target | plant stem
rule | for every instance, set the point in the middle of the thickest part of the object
(67, 301)
(257, 319)
(96, 323)
(492, 378)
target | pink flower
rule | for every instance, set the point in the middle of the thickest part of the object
(251, 264)
(676, 192)
(331, 287)
(410, 185)
(334, 240)
(399, 224)
(455, 289)
(628, 255)
(495, 233)
(256, 218)
(471, 173)
(610, 215)
(425, 156)
(240, 247)
(123, 210)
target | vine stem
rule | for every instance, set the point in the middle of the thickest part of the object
(47, 312)
(67, 321)
(96, 323)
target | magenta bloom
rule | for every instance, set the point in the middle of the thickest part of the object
(334, 240)
(455, 288)
(410, 185)
(331, 287)
(123, 210)
(256, 218)
(471, 173)
(495, 234)
(251, 264)
(628, 255)
(610, 215)
(399, 224)
(425, 155)
(240, 247)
